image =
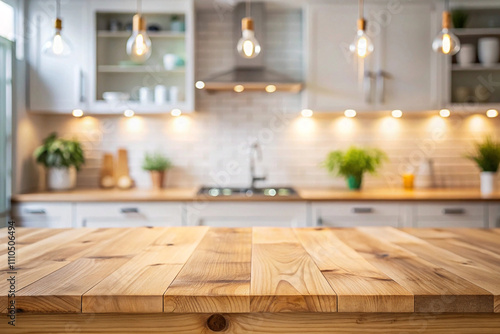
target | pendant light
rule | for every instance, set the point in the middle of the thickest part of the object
(139, 44)
(57, 45)
(446, 42)
(362, 45)
(248, 46)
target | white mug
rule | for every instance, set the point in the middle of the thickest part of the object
(488, 50)
(160, 94)
(169, 61)
(173, 93)
(145, 95)
(467, 55)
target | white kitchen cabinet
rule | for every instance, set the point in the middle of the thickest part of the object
(129, 214)
(452, 214)
(42, 215)
(397, 75)
(493, 215)
(247, 214)
(353, 214)
(58, 84)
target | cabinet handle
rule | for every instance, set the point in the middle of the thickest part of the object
(35, 211)
(381, 76)
(453, 211)
(368, 86)
(129, 210)
(362, 210)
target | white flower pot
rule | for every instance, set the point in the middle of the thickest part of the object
(61, 178)
(488, 50)
(467, 55)
(487, 182)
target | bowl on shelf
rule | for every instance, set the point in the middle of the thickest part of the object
(115, 97)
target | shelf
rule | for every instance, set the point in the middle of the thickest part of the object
(151, 34)
(104, 108)
(138, 69)
(475, 67)
(476, 31)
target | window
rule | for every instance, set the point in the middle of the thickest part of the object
(7, 29)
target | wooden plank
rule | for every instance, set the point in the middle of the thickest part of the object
(434, 288)
(139, 285)
(284, 277)
(474, 272)
(360, 286)
(27, 236)
(62, 290)
(216, 278)
(480, 237)
(289, 323)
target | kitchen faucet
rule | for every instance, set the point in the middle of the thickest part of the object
(255, 153)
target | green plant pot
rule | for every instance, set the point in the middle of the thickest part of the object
(354, 181)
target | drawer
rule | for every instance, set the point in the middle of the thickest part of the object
(57, 215)
(129, 214)
(451, 215)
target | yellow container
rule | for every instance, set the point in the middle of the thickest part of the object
(408, 181)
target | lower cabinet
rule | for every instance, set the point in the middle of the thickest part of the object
(453, 214)
(352, 214)
(40, 215)
(129, 214)
(247, 214)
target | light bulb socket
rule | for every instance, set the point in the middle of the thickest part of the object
(138, 23)
(247, 24)
(361, 24)
(58, 24)
(446, 20)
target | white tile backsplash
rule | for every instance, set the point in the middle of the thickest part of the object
(210, 146)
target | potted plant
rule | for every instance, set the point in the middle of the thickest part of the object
(353, 163)
(156, 164)
(62, 159)
(487, 157)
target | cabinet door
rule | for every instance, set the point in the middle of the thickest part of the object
(451, 215)
(106, 215)
(332, 74)
(403, 38)
(353, 214)
(43, 215)
(235, 214)
(57, 84)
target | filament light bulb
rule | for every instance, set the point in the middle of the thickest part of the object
(248, 46)
(139, 44)
(446, 42)
(57, 45)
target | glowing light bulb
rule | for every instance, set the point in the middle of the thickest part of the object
(128, 113)
(248, 46)
(362, 45)
(492, 113)
(139, 44)
(239, 88)
(270, 88)
(444, 113)
(397, 113)
(350, 113)
(199, 84)
(57, 45)
(306, 113)
(446, 43)
(77, 113)
(176, 112)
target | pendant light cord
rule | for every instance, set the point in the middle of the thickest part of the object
(139, 6)
(248, 8)
(361, 9)
(58, 9)
(447, 5)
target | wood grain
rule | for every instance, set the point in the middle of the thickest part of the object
(216, 278)
(360, 286)
(435, 289)
(284, 277)
(138, 286)
(258, 323)
(474, 272)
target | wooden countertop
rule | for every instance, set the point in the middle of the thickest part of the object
(304, 194)
(247, 270)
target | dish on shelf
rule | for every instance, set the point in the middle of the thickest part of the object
(115, 97)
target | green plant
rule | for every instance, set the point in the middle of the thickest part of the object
(353, 163)
(487, 155)
(156, 162)
(60, 153)
(459, 18)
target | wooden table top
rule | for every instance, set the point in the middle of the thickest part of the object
(261, 269)
(304, 194)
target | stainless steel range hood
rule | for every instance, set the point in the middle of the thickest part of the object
(251, 74)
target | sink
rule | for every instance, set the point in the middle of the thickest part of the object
(247, 192)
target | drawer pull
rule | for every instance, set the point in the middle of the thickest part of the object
(129, 210)
(35, 211)
(453, 211)
(362, 210)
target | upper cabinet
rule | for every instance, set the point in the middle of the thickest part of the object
(397, 75)
(58, 84)
(99, 63)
